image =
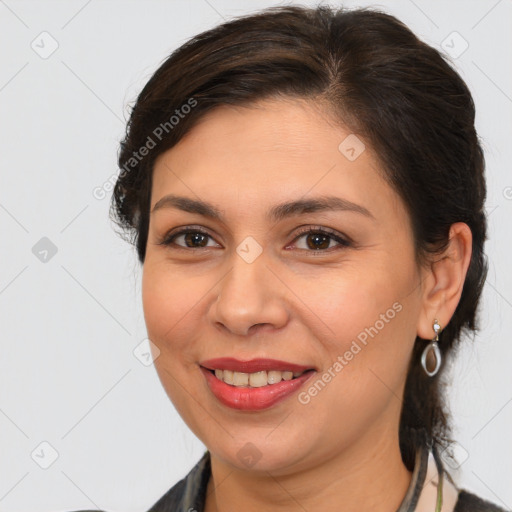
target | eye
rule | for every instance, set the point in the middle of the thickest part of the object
(320, 239)
(188, 238)
(314, 239)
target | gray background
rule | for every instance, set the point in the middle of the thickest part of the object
(71, 319)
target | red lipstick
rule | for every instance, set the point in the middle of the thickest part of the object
(248, 398)
(252, 366)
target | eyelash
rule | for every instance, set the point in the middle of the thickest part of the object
(168, 239)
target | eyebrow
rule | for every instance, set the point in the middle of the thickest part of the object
(276, 213)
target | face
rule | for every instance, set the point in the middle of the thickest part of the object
(282, 249)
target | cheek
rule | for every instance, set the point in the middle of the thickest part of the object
(369, 328)
(169, 300)
(367, 354)
(170, 303)
(348, 304)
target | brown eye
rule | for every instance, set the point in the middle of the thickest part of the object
(195, 239)
(319, 239)
(189, 239)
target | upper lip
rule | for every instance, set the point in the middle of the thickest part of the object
(253, 365)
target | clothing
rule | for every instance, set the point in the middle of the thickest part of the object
(189, 494)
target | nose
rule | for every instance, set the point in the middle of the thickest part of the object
(249, 299)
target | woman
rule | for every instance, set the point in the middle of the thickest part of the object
(305, 189)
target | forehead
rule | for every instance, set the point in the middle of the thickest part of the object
(268, 129)
(275, 148)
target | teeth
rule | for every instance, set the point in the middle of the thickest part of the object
(254, 380)
(240, 379)
(274, 377)
(258, 379)
(227, 377)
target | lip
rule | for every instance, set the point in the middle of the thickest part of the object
(252, 366)
(253, 399)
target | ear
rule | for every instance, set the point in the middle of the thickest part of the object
(443, 281)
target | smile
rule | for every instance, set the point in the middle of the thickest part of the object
(253, 385)
(254, 380)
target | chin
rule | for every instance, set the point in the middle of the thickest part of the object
(259, 452)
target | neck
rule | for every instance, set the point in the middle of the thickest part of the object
(367, 475)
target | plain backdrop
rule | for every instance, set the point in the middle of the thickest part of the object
(84, 421)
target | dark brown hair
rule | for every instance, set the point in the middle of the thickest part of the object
(378, 79)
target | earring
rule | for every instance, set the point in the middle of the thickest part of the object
(431, 356)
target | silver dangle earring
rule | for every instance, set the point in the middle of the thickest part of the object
(431, 356)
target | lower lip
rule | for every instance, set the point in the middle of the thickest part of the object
(253, 399)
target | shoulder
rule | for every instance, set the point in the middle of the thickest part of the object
(169, 502)
(469, 502)
(190, 492)
(171, 499)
